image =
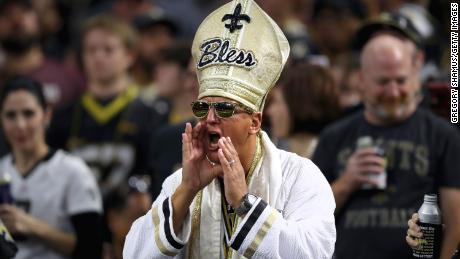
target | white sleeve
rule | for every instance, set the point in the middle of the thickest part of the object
(305, 229)
(82, 193)
(152, 235)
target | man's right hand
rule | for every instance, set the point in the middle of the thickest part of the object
(360, 164)
(197, 171)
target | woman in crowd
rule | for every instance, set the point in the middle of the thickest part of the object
(54, 207)
(303, 102)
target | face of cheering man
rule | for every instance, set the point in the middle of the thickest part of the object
(241, 127)
(389, 73)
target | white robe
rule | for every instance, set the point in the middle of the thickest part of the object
(293, 217)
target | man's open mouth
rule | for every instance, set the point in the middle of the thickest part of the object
(213, 140)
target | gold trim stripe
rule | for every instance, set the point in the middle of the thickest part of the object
(156, 227)
(196, 219)
(104, 113)
(261, 234)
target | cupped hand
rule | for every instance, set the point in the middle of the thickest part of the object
(197, 171)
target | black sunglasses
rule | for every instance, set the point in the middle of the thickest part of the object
(223, 109)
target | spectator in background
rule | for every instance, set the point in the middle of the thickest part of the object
(20, 41)
(156, 32)
(305, 100)
(55, 30)
(122, 207)
(334, 23)
(188, 13)
(429, 30)
(108, 126)
(292, 16)
(56, 205)
(166, 143)
(421, 151)
(348, 83)
(175, 78)
(127, 10)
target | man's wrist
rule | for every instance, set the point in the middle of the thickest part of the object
(247, 202)
(181, 201)
(185, 192)
(346, 186)
(238, 201)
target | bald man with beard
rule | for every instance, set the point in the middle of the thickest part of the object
(419, 157)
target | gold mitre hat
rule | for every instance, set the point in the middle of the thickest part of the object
(240, 53)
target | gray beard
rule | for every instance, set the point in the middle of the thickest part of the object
(385, 115)
(397, 114)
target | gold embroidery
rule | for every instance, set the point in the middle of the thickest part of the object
(247, 95)
(257, 157)
(156, 227)
(261, 234)
(196, 216)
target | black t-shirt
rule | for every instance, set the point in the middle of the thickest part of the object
(422, 155)
(114, 149)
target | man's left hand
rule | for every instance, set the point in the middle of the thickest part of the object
(233, 172)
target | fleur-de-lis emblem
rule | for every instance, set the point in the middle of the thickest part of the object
(234, 18)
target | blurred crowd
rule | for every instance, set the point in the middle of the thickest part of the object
(119, 80)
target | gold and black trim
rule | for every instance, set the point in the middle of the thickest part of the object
(170, 246)
(156, 229)
(249, 224)
(261, 234)
(167, 228)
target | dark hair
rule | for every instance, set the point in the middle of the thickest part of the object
(6, 3)
(23, 83)
(311, 95)
(178, 53)
(353, 7)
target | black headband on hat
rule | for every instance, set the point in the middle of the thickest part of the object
(393, 22)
